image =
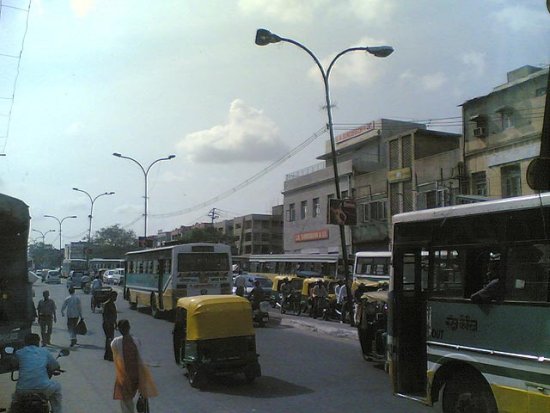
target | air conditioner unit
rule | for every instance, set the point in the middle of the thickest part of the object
(479, 132)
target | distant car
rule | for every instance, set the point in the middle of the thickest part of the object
(43, 273)
(77, 279)
(53, 277)
(115, 276)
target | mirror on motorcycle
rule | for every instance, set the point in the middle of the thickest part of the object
(63, 353)
(9, 350)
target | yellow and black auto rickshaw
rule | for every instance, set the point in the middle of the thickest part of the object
(213, 334)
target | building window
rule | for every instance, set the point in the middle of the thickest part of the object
(406, 151)
(506, 119)
(345, 194)
(394, 154)
(291, 213)
(407, 197)
(479, 183)
(316, 210)
(510, 178)
(303, 209)
(374, 211)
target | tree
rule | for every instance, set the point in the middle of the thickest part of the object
(208, 234)
(44, 255)
(113, 242)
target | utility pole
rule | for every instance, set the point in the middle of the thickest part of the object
(212, 214)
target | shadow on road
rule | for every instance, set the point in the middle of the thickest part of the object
(265, 387)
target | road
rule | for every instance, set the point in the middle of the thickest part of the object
(305, 367)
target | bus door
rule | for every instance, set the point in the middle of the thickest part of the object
(160, 282)
(409, 322)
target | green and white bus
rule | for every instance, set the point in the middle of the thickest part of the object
(470, 306)
(158, 277)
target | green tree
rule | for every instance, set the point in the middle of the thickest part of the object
(113, 242)
(44, 255)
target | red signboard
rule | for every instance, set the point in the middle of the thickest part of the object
(355, 132)
(311, 235)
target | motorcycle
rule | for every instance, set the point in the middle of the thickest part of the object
(33, 402)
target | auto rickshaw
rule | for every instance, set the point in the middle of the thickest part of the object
(275, 298)
(213, 334)
(372, 324)
(308, 284)
(293, 301)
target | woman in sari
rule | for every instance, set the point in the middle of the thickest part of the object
(132, 374)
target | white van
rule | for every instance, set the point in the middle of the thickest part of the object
(115, 276)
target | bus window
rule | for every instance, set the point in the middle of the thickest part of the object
(448, 274)
(527, 275)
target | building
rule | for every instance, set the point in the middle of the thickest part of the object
(256, 233)
(364, 159)
(502, 132)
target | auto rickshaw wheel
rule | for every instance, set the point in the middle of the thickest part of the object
(197, 376)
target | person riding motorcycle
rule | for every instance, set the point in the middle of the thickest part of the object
(36, 364)
(256, 295)
(318, 293)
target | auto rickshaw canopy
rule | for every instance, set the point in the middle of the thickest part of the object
(217, 316)
(310, 282)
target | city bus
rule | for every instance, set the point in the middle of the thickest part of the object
(16, 305)
(97, 264)
(158, 277)
(371, 266)
(73, 264)
(470, 306)
(302, 265)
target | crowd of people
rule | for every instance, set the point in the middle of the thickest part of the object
(36, 363)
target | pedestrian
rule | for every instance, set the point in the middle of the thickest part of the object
(46, 317)
(132, 374)
(318, 293)
(240, 281)
(109, 324)
(74, 312)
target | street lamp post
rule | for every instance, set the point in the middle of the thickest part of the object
(60, 221)
(265, 37)
(43, 234)
(145, 174)
(92, 201)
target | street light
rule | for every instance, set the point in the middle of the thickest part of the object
(60, 221)
(92, 201)
(145, 174)
(265, 37)
(43, 234)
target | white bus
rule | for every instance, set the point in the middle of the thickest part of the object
(158, 277)
(73, 264)
(371, 266)
(97, 264)
(302, 265)
(470, 306)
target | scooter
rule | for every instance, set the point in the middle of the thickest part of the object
(33, 402)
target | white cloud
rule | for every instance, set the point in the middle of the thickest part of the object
(433, 81)
(73, 129)
(522, 19)
(248, 135)
(356, 67)
(371, 10)
(476, 60)
(290, 11)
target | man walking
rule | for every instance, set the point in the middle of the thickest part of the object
(74, 312)
(46, 317)
(109, 324)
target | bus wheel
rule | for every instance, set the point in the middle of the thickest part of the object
(155, 311)
(466, 394)
(133, 306)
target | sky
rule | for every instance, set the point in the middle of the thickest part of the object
(83, 79)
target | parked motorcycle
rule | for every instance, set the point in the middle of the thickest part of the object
(33, 402)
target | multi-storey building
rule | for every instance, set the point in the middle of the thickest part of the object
(502, 132)
(371, 158)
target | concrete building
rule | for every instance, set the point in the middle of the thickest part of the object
(362, 166)
(502, 132)
(257, 233)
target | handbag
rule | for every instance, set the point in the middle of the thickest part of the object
(142, 406)
(80, 327)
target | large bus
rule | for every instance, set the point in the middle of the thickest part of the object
(16, 305)
(371, 266)
(73, 264)
(470, 306)
(97, 264)
(303, 265)
(158, 277)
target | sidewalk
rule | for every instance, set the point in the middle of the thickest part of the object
(332, 328)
